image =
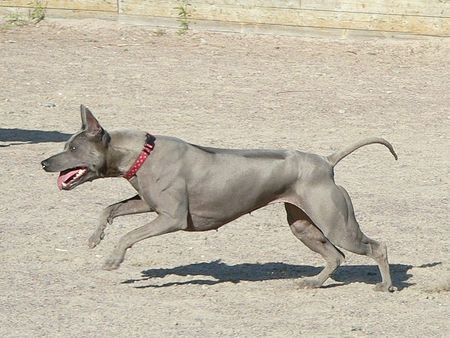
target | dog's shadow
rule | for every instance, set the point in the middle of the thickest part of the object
(15, 136)
(216, 272)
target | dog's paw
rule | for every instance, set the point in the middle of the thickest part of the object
(95, 239)
(385, 287)
(112, 264)
(309, 283)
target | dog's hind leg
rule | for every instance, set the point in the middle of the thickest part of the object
(330, 208)
(305, 230)
(130, 206)
(357, 242)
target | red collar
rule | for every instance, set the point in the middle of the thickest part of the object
(148, 147)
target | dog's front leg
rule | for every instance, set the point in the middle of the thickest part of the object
(172, 209)
(163, 224)
(133, 205)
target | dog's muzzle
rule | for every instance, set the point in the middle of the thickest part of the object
(44, 164)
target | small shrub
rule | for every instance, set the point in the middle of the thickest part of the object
(37, 12)
(183, 16)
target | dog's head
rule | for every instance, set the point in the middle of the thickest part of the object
(84, 155)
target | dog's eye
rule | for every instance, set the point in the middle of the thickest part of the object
(73, 148)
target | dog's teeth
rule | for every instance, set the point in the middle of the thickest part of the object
(80, 173)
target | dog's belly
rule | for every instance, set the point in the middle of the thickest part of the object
(214, 213)
(199, 223)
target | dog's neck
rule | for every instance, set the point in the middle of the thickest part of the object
(124, 148)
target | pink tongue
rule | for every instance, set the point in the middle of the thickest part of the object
(64, 176)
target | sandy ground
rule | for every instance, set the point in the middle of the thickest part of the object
(227, 91)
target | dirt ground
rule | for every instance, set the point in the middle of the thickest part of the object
(240, 91)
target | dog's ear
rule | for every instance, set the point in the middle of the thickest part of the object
(89, 123)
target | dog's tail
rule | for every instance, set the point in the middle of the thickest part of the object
(339, 155)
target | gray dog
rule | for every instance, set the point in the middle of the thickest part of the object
(195, 188)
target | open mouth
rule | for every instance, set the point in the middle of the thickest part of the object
(69, 178)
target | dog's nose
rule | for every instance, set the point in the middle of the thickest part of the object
(44, 164)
